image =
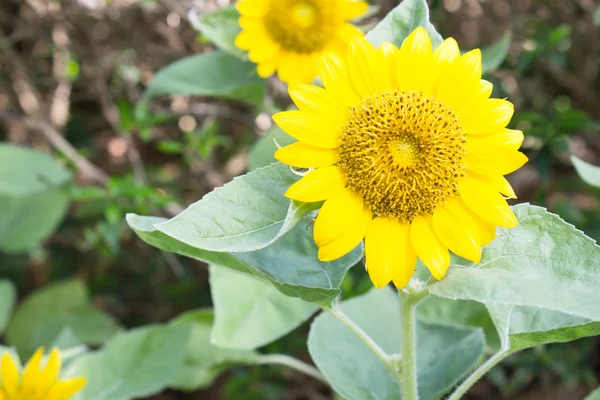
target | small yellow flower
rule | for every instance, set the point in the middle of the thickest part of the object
(35, 382)
(408, 150)
(288, 36)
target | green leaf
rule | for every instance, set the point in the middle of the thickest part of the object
(220, 27)
(588, 172)
(539, 281)
(451, 312)
(33, 198)
(595, 395)
(134, 364)
(523, 327)
(246, 214)
(445, 353)
(401, 21)
(215, 74)
(41, 317)
(66, 339)
(250, 313)
(8, 297)
(262, 152)
(203, 360)
(492, 56)
(290, 264)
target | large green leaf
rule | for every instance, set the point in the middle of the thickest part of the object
(203, 360)
(522, 327)
(215, 74)
(134, 364)
(445, 353)
(588, 172)
(290, 264)
(66, 340)
(41, 317)
(462, 312)
(595, 395)
(250, 313)
(539, 281)
(220, 27)
(246, 214)
(263, 150)
(492, 56)
(33, 198)
(8, 297)
(401, 21)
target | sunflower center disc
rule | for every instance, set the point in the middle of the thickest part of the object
(403, 152)
(304, 14)
(301, 26)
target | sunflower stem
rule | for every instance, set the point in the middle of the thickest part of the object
(409, 298)
(478, 374)
(291, 362)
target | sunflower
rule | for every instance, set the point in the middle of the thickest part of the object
(408, 151)
(288, 36)
(36, 382)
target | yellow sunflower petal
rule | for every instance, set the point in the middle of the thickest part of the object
(457, 231)
(49, 375)
(444, 55)
(486, 202)
(316, 99)
(32, 371)
(388, 252)
(506, 139)
(353, 9)
(345, 33)
(253, 25)
(302, 155)
(288, 70)
(498, 182)
(9, 373)
(492, 164)
(460, 82)
(307, 70)
(408, 258)
(308, 128)
(491, 116)
(387, 60)
(348, 241)
(487, 230)
(485, 90)
(251, 8)
(318, 184)
(428, 247)
(380, 252)
(245, 40)
(333, 73)
(362, 67)
(266, 68)
(266, 51)
(337, 215)
(64, 390)
(415, 65)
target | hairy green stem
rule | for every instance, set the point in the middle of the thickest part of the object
(291, 362)
(408, 363)
(477, 374)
